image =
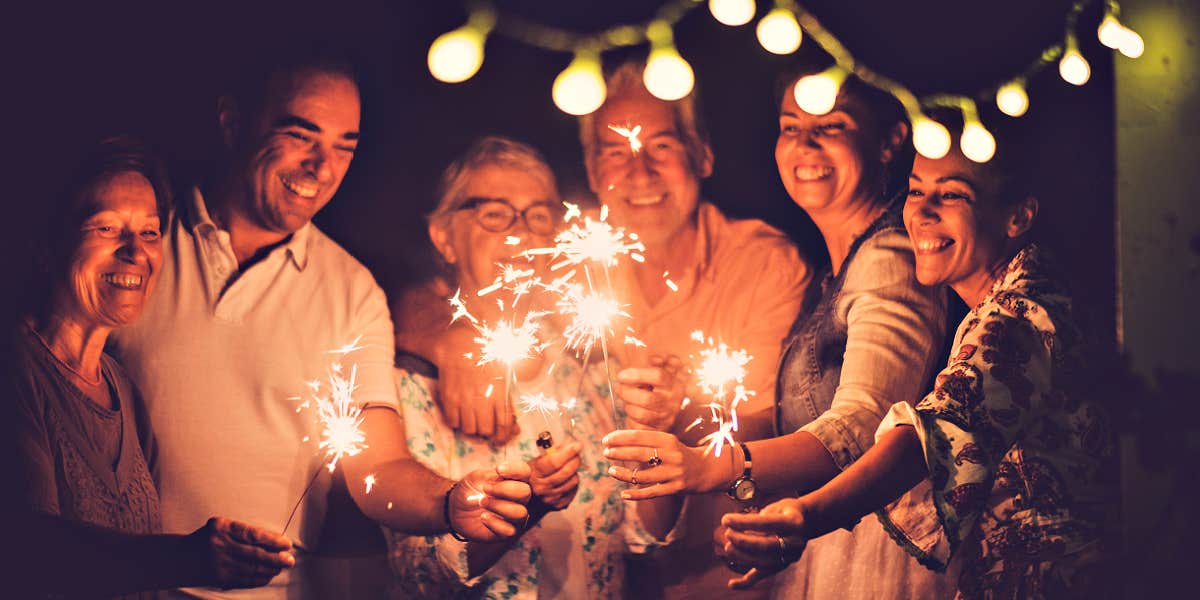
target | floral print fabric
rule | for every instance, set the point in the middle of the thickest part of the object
(1016, 456)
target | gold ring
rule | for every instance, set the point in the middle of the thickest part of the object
(783, 550)
(634, 478)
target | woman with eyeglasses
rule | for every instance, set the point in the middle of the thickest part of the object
(572, 547)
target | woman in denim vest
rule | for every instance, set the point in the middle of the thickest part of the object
(867, 336)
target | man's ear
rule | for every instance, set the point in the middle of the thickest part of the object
(704, 166)
(892, 141)
(1021, 219)
(228, 118)
(441, 240)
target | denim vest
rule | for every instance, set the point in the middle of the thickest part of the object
(810, 366)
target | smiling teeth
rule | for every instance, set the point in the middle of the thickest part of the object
(813, 173)
(645, 200)
(931, 244)
(304, 191)
(123, 280)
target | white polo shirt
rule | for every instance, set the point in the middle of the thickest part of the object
(220, 357)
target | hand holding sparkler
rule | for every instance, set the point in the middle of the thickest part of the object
(233, 554)
(653, 395)
(488, 505)
(666, 466)
(555, 477)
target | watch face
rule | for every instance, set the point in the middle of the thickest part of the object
(744, 490)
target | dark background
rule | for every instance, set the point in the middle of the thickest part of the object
(86, 71)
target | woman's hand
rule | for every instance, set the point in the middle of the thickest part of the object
(238, 555)
(489, 504)
(665, 465)
(653, 395)
(555, 478)
(463, 389)
(767, 541)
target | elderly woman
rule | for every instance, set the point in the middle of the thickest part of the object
(1006, 451)
(573, 545)
(85, 497)
(867, 336)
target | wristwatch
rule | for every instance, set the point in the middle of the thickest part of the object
(744, 488)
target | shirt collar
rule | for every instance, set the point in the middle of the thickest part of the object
(201, 224)
(709, 223)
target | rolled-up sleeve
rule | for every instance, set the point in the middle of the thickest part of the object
(996, 385)
(375, 356)
(894, 327)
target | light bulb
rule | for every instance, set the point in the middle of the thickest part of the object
(977, 142)
(668, 76)
(457, 55)
(1012, 100)
(1131, 44)
(732, 12)
(816, 94)
(930, 137)
(1074, 68)
(1110, 31)
(580, 88)
(779, 32)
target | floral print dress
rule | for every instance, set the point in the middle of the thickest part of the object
(1018, 459)
(577, 552)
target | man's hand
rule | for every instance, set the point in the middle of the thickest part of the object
(238, 555)
(555, 478)
(653, 395)
(462, 389)
(489, 504)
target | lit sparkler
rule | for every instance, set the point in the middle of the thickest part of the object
(720, 375)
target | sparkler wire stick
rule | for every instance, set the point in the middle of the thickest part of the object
(302, 495)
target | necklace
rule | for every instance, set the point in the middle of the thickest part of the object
(95, 383)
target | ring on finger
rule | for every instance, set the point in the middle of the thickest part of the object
(634, 478)
(654, 460)
(783, 549)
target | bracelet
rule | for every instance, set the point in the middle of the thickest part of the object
(446, 514)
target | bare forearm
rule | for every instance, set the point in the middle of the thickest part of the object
(659, 515)
(893, 466)
(796, 462)
(406, 497)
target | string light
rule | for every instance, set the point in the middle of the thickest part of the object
(580, 88)
(1073, 67)
(457, 55)
(976, 142)
(1131, 45)
(1011, 98)
(733, 13)
(667, 75)
(778, 32)
(816, 94)
(931, 138)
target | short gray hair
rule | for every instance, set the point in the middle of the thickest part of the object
(490, 150)
(626, 78)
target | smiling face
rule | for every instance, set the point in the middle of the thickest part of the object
(475, 251)
(298, 148)
(655, 190)
(115, 264)
(959, 228)
(828, 162)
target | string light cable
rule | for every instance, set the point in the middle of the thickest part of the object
(579, 89)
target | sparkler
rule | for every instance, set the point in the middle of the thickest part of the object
(339, 416)
(631, 134)
(720, 375)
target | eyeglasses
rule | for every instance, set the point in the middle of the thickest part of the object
(497, 215)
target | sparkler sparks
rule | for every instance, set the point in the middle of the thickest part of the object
(340, 417)
(631, 134)
(720, 375)
(591, 316)
(369, 480)
(539, 402)
(590, 240)
(508, 344)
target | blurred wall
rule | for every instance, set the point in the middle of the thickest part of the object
(1158, 258)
